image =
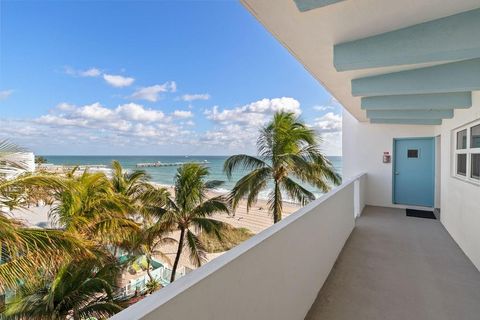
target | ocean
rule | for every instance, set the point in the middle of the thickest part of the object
(165, 175)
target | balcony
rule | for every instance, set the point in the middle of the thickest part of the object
(399, 267)
(390, 267)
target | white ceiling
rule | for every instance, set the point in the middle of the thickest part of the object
(310, 36)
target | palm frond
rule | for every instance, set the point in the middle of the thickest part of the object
(291, 149)
(213, 205)
(190, 187)
(212, 226)
(213, 184)
(250, 185)
(196, 249)
(78, 287)
(242, 161)
(296, 192)
(37, 248)
(101, 310)
(8, 159)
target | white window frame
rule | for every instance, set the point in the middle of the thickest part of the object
(469, 151)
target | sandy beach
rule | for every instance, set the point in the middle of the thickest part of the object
(256, 220)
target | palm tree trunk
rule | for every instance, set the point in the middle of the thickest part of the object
(4, 254)
(75, 315)
(2, 300)
(277, 204)
(179, 253)
(148, 267)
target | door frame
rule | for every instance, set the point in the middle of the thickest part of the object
(394, 165)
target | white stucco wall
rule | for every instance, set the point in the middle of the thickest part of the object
(460, 200)
(438, 171)
(363, 147)
(276, 274)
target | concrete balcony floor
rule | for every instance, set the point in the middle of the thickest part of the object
(398, 267)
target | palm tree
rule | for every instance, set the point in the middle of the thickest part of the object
(288, 150)
(40, 160)
(144, 199)
(130, 185)
(87, 206)
(148, 240)
(191, 208)
(25, 250)
(77, 291)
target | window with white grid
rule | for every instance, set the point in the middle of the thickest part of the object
(467, 152)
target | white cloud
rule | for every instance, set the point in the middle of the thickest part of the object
(117, 80)
(332, 143)
(273, 105)
(127, 126)
(142, 130)
(65, 106)
(132, 127)
(91, 72)
(255, 113)
(195, 96)
(94, 111)
(322, 108)
(329, 122)
(237, 128)
(182, 114)
(173, 86)
(233, 130)
(121, 125)
(95, 115)
(136, 112)
(152, 93)
(61, 121)
(332, 104)
(4, 94)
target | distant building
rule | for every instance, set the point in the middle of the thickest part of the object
(26, 159)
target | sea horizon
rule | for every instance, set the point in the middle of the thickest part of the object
(165, 175)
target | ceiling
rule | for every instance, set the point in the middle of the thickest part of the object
(387, 57)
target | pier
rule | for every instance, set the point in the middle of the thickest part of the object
(167, 164)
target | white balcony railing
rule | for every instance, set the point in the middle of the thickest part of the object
(276, 274)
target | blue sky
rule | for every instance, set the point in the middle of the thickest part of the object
(167, 77)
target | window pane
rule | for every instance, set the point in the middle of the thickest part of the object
(462, 164)
(476, 166)
(462, 139)
(412, 153)
(475, 137)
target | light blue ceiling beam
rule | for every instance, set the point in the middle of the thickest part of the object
(408, 121)
(455, 37)
(449, 77)
(434, 101)
(409, 114)
(306, 5)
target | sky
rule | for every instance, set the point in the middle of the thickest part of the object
(149, 78)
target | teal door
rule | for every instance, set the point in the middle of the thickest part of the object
(414, 171)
